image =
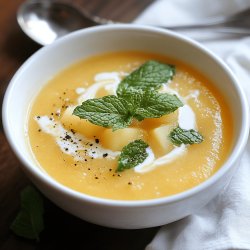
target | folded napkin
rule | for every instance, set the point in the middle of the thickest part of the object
(225, 222)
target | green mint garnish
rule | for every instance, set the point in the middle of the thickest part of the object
(132, 155)
(29, 221)
(180, 136)
(151, 104)
(117, 112)
(151, 75)
(136, 98)
(108, 111)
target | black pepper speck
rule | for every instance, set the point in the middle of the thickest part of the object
(68, 137)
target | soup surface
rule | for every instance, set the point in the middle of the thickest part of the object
(84, 156)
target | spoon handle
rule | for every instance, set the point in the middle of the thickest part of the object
(214, 28)
(233, 25)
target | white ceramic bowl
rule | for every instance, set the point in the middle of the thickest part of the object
(50, 60)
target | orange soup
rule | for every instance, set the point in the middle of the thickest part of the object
(84, 156)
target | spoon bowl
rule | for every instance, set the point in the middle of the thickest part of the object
(44, 21)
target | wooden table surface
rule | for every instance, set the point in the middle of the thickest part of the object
(62, 230)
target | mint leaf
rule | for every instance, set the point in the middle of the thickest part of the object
(108, 111)
(29, 221)
(180, 136)
(154, 105)
(151, 75)
(132, 155)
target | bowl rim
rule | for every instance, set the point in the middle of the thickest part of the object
(237, 149)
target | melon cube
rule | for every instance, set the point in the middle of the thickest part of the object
(104, 91)
(157, 122)
(116, 140)
(171, 118)
(81, 126)
(159, 139)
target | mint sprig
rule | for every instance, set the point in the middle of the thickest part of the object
(108, 111)
(180, 136)
(29, 221)
(132, 155)
(118, 112)
(136, 98)
(151, 75)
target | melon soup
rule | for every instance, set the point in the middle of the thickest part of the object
(160, 148)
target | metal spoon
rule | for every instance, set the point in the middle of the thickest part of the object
(44, 21)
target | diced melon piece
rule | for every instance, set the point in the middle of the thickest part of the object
(169, 119)
(116, 140)
(151, 123)
(104, 91)
(159, 139)
(81, 126)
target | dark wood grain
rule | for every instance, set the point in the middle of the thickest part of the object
(63, 231)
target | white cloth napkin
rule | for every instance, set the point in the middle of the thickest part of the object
(225, 222)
